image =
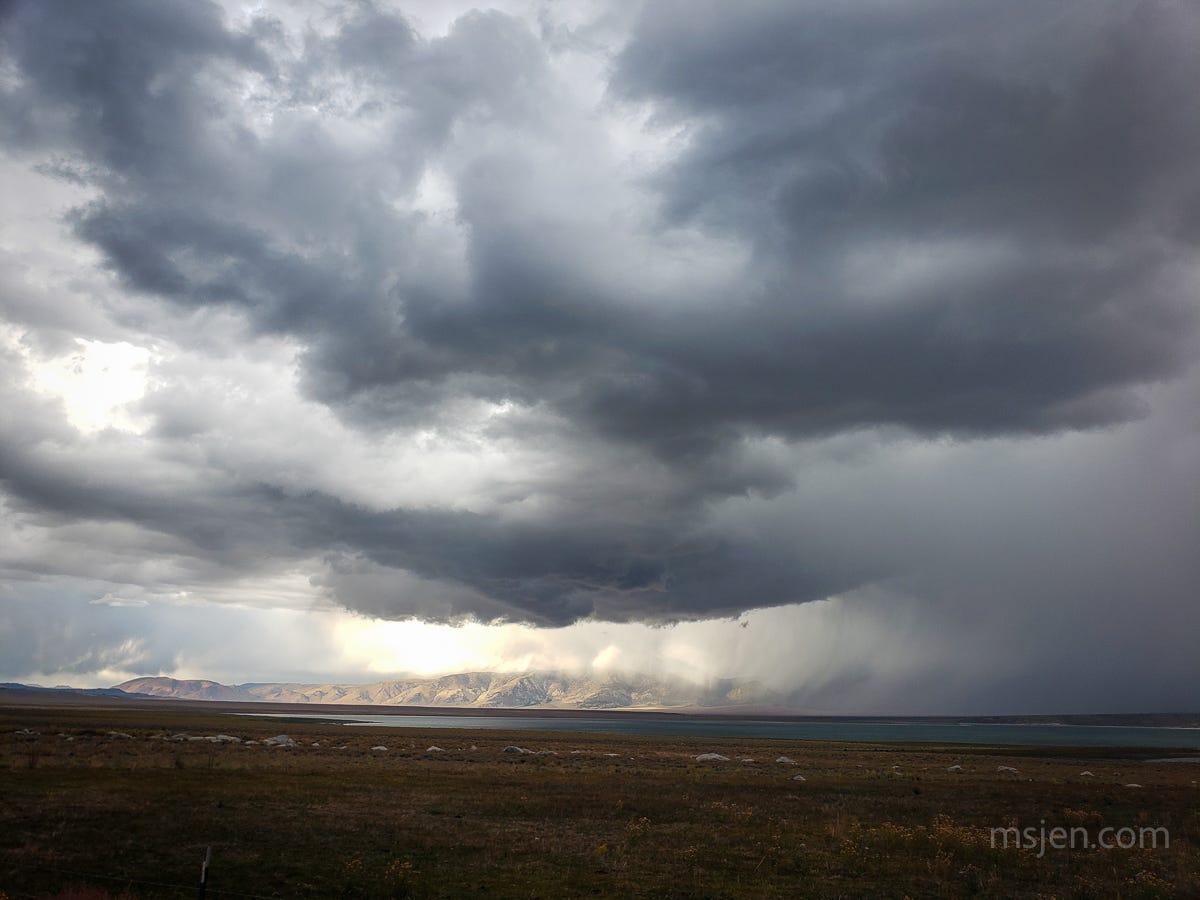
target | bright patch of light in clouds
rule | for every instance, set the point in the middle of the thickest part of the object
(98, 383)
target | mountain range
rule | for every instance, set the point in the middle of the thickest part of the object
(488, 690)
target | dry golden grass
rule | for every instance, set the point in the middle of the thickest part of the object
(91, 815)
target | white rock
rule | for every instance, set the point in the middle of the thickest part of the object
(120, 734)
(799, 778)
(434, 750)
(712, 757)
(785, 760)
(512, 748)
(1133, 785)
(379, 747)
(1006, 769)
(954, 768)
(280, 740)
(1086, 775)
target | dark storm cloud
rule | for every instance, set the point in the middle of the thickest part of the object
(121, 81)
(541, 572)
(1072, 120)
(829, 132)
(824, 133)
(958, 222)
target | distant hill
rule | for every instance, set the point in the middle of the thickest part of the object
(193, 689)
(486, 690)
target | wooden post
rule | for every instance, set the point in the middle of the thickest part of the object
(204, 872)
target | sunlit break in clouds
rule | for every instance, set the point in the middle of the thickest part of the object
(846, 348)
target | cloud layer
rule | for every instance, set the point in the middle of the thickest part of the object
(611, 314)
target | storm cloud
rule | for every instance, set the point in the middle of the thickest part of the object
(631, 314)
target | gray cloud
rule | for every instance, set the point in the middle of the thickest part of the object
(1042, 163)
(843, 232)
(844, 142)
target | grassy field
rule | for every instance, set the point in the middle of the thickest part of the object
(91, 814)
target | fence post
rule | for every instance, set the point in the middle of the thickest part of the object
(204, 872)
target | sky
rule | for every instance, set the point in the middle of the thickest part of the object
(846, 347)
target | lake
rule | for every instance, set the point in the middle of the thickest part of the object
(1035, 735)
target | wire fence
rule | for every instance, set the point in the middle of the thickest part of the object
(201, 889)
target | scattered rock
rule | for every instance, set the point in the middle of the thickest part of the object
(120, 734)
(280, 740)
(223, 739)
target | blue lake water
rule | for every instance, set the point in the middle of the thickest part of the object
(876, 732)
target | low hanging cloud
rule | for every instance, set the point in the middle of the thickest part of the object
(638, 315)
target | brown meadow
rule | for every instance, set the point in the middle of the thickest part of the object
(102, 803)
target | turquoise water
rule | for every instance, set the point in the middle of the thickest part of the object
(875, 732)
